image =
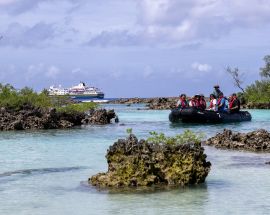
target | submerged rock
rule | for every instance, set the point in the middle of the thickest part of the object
(258, 140)
(42, 118)
(139, 163)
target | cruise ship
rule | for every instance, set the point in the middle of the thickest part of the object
(80, 91)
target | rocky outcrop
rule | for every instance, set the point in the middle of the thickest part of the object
(258, 140)
(29, 117)
(139, 163)
(252, 105)
(101, 116)
(129, 101)
(163, 103)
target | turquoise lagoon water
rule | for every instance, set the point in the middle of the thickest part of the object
(46, 172)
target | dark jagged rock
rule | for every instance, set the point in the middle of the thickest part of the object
(28, 117)
(252, 105)
(101, 116)
(258, 140)
(139, 163)
(163, 103)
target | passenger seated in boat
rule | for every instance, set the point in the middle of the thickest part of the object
(234, 104)
(221, 103)
(202, 102)
(213, 103)
(216, 91)
(193, 102)
(182, 102)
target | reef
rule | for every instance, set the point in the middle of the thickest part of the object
(133, 163)
(162, 104)
(158, 103)
(29, 117)
(100, 116)
(258, 141)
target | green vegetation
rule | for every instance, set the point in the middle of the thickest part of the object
(129, 130)
(265, 71)
(81, 107)
(259, 92)
(15, 99)
(186, 137)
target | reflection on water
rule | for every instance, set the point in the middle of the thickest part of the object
(46, 172)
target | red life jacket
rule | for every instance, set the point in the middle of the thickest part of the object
(202, 104)
(211, 104)
(219, 100)
(231, 103)
(183, 103)
(194, 103)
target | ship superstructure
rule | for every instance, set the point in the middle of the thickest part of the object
(80, 91)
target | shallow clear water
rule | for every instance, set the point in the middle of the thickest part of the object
(46, 172)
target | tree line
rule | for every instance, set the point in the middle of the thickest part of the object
(257, 92)
(13, 99)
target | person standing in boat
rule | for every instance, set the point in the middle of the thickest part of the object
(217, 91)
(213, 103)
(234, 104)
(182, 102)
(221, 103)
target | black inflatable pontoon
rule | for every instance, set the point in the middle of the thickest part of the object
(198, 116)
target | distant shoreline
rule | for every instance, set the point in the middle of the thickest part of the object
(169, 101)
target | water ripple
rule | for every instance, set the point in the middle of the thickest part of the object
(40, 171)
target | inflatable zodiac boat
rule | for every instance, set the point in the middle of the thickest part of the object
(198, 116)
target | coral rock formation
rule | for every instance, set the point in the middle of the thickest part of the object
(139, 163)
(258, 140)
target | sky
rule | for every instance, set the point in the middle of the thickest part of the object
(133, 48)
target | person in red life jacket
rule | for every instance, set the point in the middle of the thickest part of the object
(213, 103)
(202, 102)
(193, 102)
(221, 103)
(234, 104)
(182, 102)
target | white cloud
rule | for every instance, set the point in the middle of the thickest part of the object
(191, 20)
(34, 70)
(151, 23)
(6, 2)
(24, 36)
(52, 72)
(201, 67)
(41, 70)
(16, 7)
(175, 22)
